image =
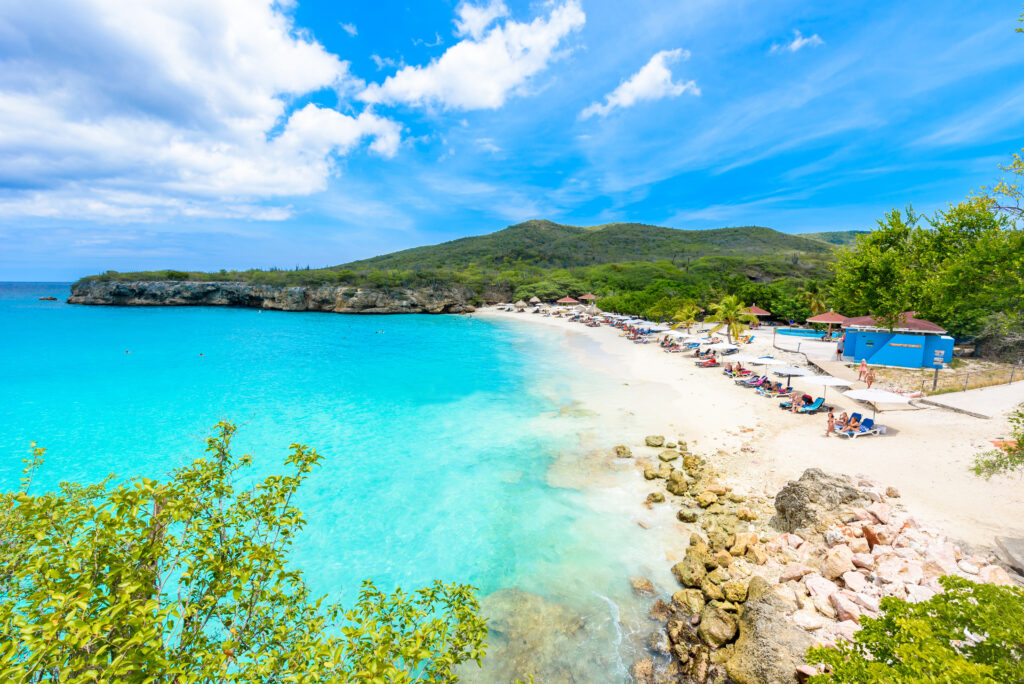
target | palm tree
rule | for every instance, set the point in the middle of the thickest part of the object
(814, 297)
(731, 315)
(686, 316)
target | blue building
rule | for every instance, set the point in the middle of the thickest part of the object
(912, 343)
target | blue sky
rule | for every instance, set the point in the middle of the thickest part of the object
(203, 134)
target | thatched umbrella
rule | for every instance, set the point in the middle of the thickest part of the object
(520, 304)
(830, 318)
(535, 299)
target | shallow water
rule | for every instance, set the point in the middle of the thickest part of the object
(439, 435)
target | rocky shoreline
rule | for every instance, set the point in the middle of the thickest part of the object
(762, 580)
(332, 299)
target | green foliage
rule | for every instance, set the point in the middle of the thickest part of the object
(686, 316)
(840, 238)
(730, 315)
(969, 633)
(1008, 459)
(966, 265)
(188, 581)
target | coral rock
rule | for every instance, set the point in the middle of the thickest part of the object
(654, 440)
(642, 586)
(623, 452)
(845, 608)
(880, 512)
(838, 560)
(993, 574)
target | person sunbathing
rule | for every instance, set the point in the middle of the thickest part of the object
(842, 420)
(797, 403)
(852, 425)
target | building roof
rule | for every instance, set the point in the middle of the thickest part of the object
(589, 296)
(756, 310)
(905, 323)
(567, 300)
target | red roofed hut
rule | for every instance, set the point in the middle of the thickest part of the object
(567, 300)
(589, 296)
(755, 310)
(910, 343)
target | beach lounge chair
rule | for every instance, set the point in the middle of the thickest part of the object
(788, 404)
(852, 416)
(752, 382)
(707, 364)
(813, 407)
(866, 428)
(774, 394)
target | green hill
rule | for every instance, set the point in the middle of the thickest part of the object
(632, 267)
(551, 245)
(839, 238)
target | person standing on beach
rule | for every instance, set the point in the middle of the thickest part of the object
(831, 423)
(869, 377)
(863, 369)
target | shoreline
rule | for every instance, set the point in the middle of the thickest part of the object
(759, 448)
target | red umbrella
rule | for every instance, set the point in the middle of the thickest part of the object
(589, 296)
(567, 300)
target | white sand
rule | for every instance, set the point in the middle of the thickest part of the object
(639, 389)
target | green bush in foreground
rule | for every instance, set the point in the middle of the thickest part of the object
(970, 633)
(188, 581)
(1007, 459)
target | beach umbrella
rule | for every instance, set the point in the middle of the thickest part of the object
(742, 358)
(659, 328)
(790, 372)
(722, 346)
(875, 397)
(566, 300)
(589, 296)
(535, 299)
(520, 304)
(768, 361)
(830, 318)
(826, 381)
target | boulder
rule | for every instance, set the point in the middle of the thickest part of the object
(844, 607)
(993, 574)
(838, 560)
(643, 671)
(711, 591)
(691, 463)
(794, 571)
(863, 560)
(742, 542)
(654, 440)
(769, 647)
(623, 452)
(735, 590)
(717, 627)
(650, 473)
(688, 601)
(668, 455)
(808, 620)
(658, 643)
(687, 515)
(892, 492)
(689, 571)
(819, 586)
(674, 486)
(854, 581)
(810, 505)
(655, 497)
(659, 611)
(706, 498)
(642, 586)
(746, 514)
(879, 512)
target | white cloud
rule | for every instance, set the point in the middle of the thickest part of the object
(652, 82)
(154, 108)
(384, 62)
(481, 73)
(799, 42)
(350, 29)
(473, 20)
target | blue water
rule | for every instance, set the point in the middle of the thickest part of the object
(433, 465)
(800, 332)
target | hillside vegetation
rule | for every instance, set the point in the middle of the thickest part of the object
(633, 267)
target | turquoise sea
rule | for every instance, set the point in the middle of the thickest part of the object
(438, 433)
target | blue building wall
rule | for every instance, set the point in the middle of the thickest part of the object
(906, 350)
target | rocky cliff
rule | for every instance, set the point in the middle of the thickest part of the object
(330, 299)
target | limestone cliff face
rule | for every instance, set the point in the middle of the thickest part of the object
(329, 299)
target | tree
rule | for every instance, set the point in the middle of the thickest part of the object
(188, 580)
(686, 316)
(730, 315)
(813, 296)
(969, 633)
(1010, 194)
(1007, 459)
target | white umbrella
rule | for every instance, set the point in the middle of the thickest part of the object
(790, 371)
(875, 397)
(722, 346)
(742, 358)
(676, 333)
(660, 328)
(826, 381)
(767, 361)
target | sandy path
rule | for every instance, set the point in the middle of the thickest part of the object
(639, 389)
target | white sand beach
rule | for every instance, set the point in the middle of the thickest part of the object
(639, 389)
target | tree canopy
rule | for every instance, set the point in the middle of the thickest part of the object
(188, 580)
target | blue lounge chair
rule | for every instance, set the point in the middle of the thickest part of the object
(788, 404)
(866, 428)
(813, 407)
